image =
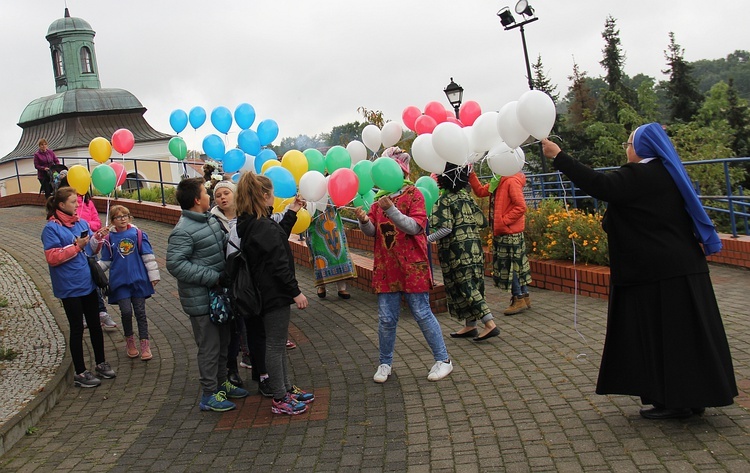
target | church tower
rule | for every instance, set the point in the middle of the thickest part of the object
(71, 44)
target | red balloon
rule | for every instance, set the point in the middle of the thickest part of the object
(123, 140)
(436, 111)
(410, 115)
(343, 186)
(120, 173)
(469, 112)
(424, 124)
(456, 121)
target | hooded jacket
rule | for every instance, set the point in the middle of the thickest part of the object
(509, 215)
(195, 257)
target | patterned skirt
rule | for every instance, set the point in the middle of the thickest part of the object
(509, 256)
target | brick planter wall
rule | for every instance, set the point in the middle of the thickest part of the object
(593, 281)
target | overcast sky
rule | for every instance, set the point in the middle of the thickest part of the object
(310, 64)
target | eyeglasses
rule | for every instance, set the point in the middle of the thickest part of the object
(121, 217)
(625, 144)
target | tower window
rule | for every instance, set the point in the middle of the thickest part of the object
(87, 66)
(57, 61)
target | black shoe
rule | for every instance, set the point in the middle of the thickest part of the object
(264, 388)
(322, 292)
(698, 410)
(234, 378)
(493, 333)
(658, 413)
(469, 334)
(344, 295)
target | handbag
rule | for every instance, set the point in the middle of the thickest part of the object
(220, 312)
(98, 275)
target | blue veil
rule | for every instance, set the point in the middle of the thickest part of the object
(651, 141)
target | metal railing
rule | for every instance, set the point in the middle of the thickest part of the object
(538, 187)
(137, 181)
(555, 185)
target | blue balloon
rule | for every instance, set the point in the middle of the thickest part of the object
(244, 115)
(233, 160)
(283, 182)
(197, 117)
(178, 120)
(268, 130)
(249, 142)
(214, 147)
(236, 177)
(262, 157)
(221, 119)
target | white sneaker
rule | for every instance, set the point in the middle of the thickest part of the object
(106, 320)
(440, 370)
(381, 375)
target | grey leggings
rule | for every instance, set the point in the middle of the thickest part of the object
(276, 323)
(127, 307)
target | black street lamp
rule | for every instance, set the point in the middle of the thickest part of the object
(455, 94)
(509, 22)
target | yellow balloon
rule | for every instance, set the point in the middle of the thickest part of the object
(295, 162)
(100, 149)
(303, 221)
(79, 179)
(269, 164)
(280, 204)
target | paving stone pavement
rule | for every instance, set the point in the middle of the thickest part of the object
(521, 402)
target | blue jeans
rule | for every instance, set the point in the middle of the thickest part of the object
(515, 288)
(389, 307)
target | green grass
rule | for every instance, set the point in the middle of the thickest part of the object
(7, 354)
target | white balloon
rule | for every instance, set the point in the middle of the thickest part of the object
(357, 151)
(310, 206)
(450, 143)
(536, 113)
(508, 127)
(425, 155)
(312, 185)
(484, 132)
(391, 134)
(503, 160)
(249, 165)
(371, 137)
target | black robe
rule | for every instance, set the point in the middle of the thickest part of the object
(665, 339)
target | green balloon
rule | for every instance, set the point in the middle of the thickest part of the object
(364, 200)
(387, 174)
(315, 160)
(104, 179)
(429, 198)
(336, 158)
(178, 148)
(363, 170)
(428, 183)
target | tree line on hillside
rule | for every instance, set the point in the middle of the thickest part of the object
(704, 105)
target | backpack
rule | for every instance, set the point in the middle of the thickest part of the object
(244, 295)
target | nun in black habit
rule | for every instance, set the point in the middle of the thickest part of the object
(665, 339)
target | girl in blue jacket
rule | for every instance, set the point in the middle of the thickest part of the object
(133, 274)
(65, 238)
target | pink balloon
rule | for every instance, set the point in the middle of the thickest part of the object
(120, 173)
(455, 120)
(410, 115)
(469, 112)
(425, 124)
(436, 111)
(123, 140)
(343, 186)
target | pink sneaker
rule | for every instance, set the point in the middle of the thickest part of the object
(130, 345)
(145, 350)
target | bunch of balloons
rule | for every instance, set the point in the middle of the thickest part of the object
(105, 177)
(250, 142)
(498, 135)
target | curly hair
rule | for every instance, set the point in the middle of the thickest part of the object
(454, 178)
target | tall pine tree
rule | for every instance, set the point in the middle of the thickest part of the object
(682, 88)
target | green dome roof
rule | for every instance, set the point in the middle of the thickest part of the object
(69, 24)
(80, 101)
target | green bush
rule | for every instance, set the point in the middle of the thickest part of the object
(552, 228)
